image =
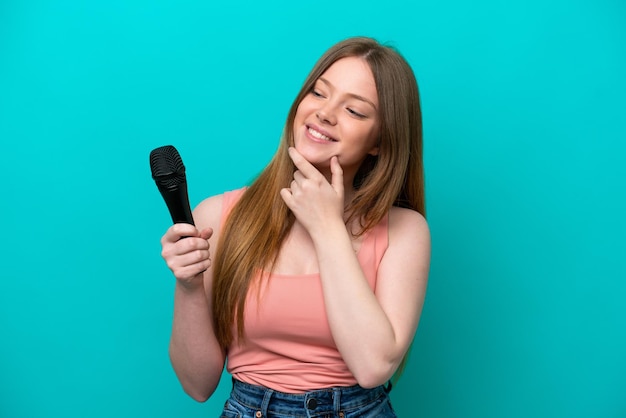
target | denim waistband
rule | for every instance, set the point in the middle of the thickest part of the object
(316, 403)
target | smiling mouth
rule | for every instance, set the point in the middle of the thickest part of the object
(319, 135)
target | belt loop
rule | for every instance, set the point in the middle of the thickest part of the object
(266, 401)
(337, 400)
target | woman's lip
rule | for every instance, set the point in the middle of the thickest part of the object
(321, 131)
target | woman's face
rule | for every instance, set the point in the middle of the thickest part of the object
(339, 116)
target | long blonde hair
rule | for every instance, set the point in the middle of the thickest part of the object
(260, 220)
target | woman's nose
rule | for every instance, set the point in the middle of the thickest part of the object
(326, 115)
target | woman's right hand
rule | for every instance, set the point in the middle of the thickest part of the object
(185, 250)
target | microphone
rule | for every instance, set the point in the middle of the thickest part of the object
(168, 173)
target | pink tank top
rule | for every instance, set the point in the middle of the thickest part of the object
(288, 345)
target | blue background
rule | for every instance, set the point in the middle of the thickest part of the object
(523, 107)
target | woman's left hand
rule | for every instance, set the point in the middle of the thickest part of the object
(314, 201)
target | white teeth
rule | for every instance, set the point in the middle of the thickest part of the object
(318, 135)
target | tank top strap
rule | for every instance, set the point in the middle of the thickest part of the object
(380, 235)
(375, 243)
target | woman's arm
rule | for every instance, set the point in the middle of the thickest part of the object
(196, 356)
(372, 330)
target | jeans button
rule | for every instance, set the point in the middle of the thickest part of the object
(311, 403)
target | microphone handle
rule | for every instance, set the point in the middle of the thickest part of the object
(177, 202)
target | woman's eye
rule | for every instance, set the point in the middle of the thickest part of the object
(355, 113)
(316, 93)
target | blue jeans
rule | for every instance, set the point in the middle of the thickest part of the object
(250, 401)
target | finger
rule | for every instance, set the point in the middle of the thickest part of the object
(172, 250)
(190, 271)
(294, 188)
(298, 177)
(307, 169)
(186, 229)
(337, 175)
(191, 244)
(198, 257)
(177, 231)
(287, 197)
(206, 233)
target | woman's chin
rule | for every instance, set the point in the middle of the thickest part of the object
(316, 159)
(319, 163)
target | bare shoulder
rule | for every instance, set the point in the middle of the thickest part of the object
(409, 243)
(208, 213)
(407, 224)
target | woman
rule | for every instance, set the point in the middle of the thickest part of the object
(312, 280)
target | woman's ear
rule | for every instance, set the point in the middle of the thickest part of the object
(376, 149)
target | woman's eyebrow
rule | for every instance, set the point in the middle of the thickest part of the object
(353, 95)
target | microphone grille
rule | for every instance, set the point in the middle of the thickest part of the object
(167, 166)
